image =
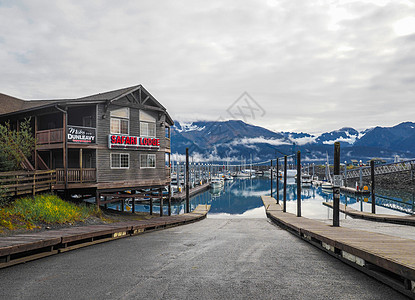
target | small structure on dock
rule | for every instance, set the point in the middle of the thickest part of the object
(108, 142)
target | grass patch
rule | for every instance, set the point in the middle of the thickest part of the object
(25, 213)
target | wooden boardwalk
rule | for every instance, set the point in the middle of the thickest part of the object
(403, 220)
(388, 259)
(196, 190)
(25, 247)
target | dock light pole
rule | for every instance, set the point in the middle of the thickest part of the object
(284, 209)
(345, 173)
(278, 184)
(187, 182)
(271, 178)
(372, 185)
(336, 185)
(298, 183)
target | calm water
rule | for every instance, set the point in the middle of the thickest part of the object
(241, 198)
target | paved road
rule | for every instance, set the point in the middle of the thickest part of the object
(211, 259)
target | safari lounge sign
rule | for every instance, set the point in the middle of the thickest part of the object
(133, 142)
(81, 135)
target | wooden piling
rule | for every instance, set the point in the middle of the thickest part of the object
(151, 206)
(271, 178)
(278, 184)
(161, 201)
(298, 184)
(187, 182)
(372, 185)
(336, 186)
(170, 199)
(285, 184)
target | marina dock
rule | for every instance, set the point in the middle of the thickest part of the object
(196, 190)
(26, 247)
(345, 189)
(403, 220)
(388, 259)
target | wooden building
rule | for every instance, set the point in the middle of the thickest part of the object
(112, 141)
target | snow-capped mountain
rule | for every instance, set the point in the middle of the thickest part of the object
(235, 139)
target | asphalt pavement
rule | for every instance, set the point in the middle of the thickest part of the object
(210, 259)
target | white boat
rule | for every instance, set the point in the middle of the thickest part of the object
(326, 186)
(306, 180)
(216, 182)
(228, 177)
(242, 174)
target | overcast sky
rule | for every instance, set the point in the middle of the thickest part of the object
(308, 66)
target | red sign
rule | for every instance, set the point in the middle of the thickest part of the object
(135, 142)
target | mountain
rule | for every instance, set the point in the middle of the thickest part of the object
(236, 140)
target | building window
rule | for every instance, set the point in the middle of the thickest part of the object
(120, 120)
(167, 132)
(147, 124)
(147, 161)
(120, 160)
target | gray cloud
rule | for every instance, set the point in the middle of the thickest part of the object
(312, 65)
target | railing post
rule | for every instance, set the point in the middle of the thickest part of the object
(298, 184)
(34, 184)
(278, 184)
(271, 178)
(336, 185)
(285, 184)
(372, 185)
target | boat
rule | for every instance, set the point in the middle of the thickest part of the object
(242, 174)
(327, 186)
(228, 177)
(306, 180)
(216, 183)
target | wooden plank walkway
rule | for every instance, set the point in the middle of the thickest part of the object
(25, 247)
(388, 259)
(196, 190)
(403, 220)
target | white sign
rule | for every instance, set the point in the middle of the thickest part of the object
(337, 180)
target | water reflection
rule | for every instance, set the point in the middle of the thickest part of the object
(241, 198)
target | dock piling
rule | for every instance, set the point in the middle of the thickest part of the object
(285, 184)
(336, 185)
(372, 185)
(298, 183)
(278, 184)
(187, 182)
(271, 178)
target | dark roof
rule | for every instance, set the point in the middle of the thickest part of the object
(9, 104)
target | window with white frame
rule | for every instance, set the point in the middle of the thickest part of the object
(120, 119)
(147, 124)
(147, 161)
(120, 160)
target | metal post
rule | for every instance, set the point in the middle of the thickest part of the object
(271, 178)
(187, 182)
(285, 184)
(298, 184)
(336, 185)
(361, 179)
(372, 185)
(278, 184)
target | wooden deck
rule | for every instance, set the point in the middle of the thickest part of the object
(403, 220)
(388, 259)
(196, 190)
(25, 247)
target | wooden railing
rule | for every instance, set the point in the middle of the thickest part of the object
(50, 136)
(77, 175)
(27, 182)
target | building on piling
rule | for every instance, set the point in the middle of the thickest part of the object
(112, 141)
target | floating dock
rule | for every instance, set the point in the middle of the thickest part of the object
(388, 259)
(194, 191)
(26, 247)
(402, 220)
